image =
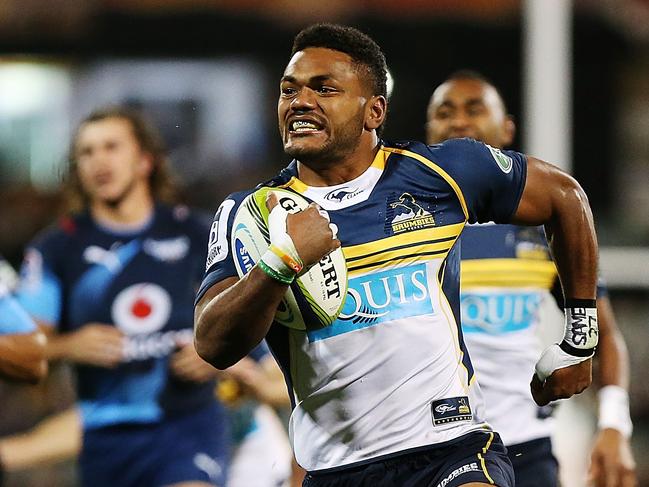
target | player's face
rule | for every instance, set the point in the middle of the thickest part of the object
(321, 106)
(468, 108)
(110, 162)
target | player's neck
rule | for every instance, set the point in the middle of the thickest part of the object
(343, 170)
(131, 210)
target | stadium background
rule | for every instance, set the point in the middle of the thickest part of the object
(207, 70)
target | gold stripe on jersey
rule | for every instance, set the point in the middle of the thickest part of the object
(438, 170)
(403, 249)
(379, 162)
(454, 329)
(507, 273)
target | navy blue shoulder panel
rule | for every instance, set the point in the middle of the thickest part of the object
(491, 180)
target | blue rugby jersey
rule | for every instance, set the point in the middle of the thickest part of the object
(143, 282)
(391, 373)
(13, 319)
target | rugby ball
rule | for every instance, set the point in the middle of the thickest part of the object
(316, 297)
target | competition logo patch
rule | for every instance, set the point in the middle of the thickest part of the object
(406, 214)
(504, 161)
(450, 410)
(141, 308)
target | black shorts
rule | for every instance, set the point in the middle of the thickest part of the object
(534, 464)
(476, 457)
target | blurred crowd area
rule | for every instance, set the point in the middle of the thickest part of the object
(207, 73)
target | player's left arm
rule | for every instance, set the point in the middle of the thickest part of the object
(612, 462)
(554, 199)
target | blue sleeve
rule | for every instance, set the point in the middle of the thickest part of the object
(219, 263)
(40, 290)
(14, 318)
(491, 180)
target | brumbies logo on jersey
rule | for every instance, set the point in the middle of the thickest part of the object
(405, 214)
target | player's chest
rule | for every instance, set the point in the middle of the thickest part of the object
(396, 209)
(156, 257)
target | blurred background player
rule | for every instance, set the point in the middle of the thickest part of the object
(22, 344)
(113, 285)
(507, 273)
(252, 389)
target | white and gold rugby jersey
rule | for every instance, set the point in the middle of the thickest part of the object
(508, 278)
(507, 274)
(391, 374)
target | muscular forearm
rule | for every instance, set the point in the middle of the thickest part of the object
(573, 241)
(22, 356)
(554, 199)
(234, 316)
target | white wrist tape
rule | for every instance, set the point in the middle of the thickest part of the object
(281, 256)
(582, 332)
(579, 339)
(554, 358)
(614, 410)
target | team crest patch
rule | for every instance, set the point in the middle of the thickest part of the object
(504, 161)
(406, 213)
(450, 410)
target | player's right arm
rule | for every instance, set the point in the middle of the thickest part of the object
(554, 199)
(508, 187)
(234, 315)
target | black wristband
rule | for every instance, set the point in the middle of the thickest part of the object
(576, 352)
(580, 303)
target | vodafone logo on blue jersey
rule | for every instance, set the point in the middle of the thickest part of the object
(141, 308)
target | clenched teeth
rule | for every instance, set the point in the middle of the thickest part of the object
(303, 126)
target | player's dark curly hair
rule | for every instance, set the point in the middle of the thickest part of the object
(161, 180)
(365, 53)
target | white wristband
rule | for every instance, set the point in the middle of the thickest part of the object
(581, 333)
(614, 410)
